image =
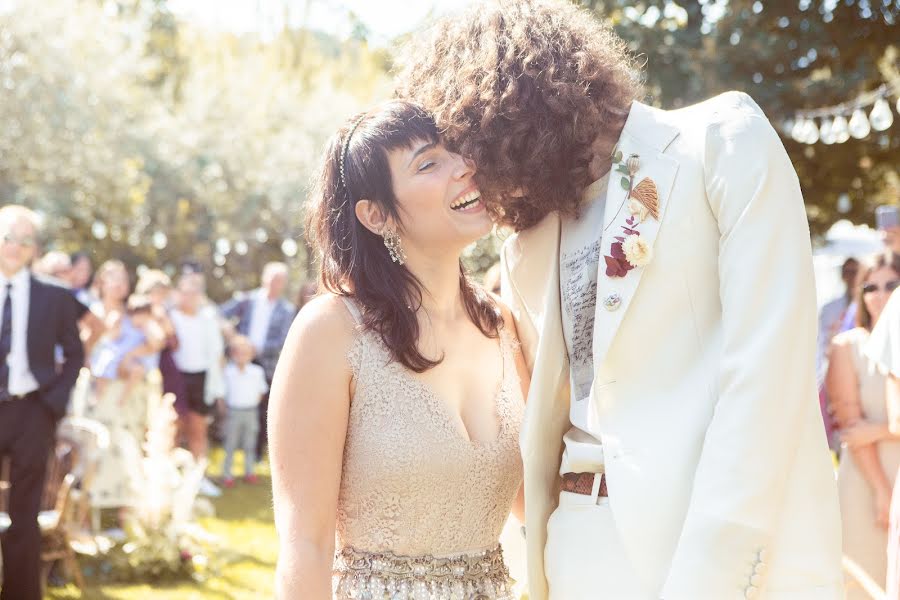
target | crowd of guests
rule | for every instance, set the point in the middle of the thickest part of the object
(216, 361)
(138, 338)
(859, 335)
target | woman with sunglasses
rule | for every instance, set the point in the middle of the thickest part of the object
(871, 454)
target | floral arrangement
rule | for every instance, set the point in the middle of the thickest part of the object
(630, 250)
(161, 541)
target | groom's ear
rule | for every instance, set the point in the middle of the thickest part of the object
(371, 215)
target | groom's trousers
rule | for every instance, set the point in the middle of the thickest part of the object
(584, 558)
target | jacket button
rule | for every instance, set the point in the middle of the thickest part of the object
(750, 592)
(612, 302)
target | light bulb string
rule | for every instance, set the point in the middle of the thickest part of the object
(864, 100)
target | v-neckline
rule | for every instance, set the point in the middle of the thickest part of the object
(455, 420)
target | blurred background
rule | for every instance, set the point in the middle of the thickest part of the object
(169, 132)
(154, 130)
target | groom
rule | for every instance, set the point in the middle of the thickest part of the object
(661, 278)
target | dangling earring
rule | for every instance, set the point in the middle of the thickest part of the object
(392, 243)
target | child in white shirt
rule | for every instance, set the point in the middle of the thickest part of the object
(245, 384)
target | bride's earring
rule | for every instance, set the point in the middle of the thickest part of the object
(392, 243)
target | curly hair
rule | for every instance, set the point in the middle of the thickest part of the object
(534, 91)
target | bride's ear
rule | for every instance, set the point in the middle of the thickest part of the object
(371, 215)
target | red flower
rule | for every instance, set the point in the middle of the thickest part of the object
(616, 265)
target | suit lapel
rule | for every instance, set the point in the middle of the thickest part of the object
(537, 284)
(647, 137)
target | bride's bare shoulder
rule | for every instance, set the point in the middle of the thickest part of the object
(325, 321)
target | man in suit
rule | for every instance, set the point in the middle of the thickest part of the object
(264, 316)
(662, 284)
(35, 317)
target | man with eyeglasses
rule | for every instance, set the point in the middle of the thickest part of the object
(35, 317)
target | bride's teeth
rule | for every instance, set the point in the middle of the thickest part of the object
(470, 197)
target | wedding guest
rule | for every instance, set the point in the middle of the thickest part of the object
(831, 315)
(887, 221)
(199, 348)
(884, 348)
(35, 317)
(264, 316)
(119, 363)
(245, 387)
(80, 275)
(54, 265)
(868, 467)
(157, 286)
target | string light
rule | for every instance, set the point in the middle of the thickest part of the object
(830, 125)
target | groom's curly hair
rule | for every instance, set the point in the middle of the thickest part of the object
(534, 91)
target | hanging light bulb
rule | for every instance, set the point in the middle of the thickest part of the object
(811, 132)
(839, 130)
(797, 129)
(825, 132)
(859, 124)
(881, 116)
(898, 104)
(787, 125)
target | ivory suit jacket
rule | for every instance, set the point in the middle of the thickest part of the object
(704, 394)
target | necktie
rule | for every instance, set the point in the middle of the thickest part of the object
(5, 343)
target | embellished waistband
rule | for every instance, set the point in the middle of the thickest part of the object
(389, 576)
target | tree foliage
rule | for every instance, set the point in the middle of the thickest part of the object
(150, 141)
(790, 55)
(146, 138)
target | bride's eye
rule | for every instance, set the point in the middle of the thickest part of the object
(426, 165)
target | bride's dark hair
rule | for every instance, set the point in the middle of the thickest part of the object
(353, 261)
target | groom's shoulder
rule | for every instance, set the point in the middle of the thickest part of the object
(722, 108)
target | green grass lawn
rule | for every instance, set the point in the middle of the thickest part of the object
(244, 525)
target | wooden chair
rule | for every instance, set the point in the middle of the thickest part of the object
(53, 518)
(55, 514)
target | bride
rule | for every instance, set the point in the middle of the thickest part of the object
(396, 404)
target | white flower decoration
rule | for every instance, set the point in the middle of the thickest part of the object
(638, 210)
(637, 251)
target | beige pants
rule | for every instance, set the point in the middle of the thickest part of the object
(584, 558)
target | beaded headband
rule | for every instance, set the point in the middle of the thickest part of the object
(344, 150)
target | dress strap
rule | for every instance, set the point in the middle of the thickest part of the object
(353, 309)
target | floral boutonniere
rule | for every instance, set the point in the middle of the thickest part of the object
(630, 250)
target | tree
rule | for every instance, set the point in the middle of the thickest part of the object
(148, 140)
(789, 56)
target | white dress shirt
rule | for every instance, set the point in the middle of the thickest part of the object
(244, 387)
(198, 340)
(260, 315)
(21, 380)
(579, 265)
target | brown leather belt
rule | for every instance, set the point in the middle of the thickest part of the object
(583, 483)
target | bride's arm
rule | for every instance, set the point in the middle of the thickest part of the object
(308, 412)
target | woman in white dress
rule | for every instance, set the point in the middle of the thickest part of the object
(871, 454)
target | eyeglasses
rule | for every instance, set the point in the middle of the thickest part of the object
(25, 241)
(889, 287)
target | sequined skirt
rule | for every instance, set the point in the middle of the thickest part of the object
(361, 575)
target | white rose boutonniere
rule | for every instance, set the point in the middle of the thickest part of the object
(637, 251)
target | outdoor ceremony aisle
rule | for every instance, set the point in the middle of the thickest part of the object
(246, 561)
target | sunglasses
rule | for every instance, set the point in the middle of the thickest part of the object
(889, 287)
